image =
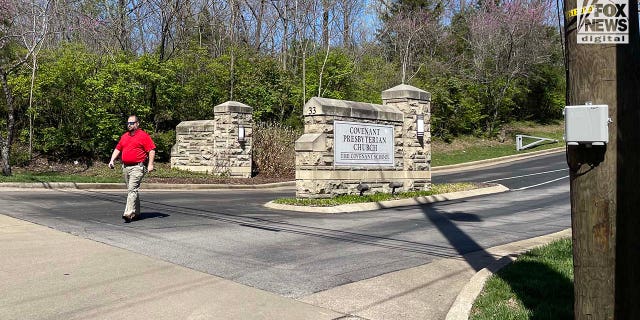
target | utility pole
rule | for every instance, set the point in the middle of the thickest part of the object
(605, 180)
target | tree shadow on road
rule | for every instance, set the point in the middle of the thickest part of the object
(544, 292)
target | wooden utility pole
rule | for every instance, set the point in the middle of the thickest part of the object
(605, 181)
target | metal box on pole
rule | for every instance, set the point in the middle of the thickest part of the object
(587, 124)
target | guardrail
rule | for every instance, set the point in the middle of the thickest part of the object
(539, 140)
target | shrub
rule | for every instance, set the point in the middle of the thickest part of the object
(273, 150)
(164, 141)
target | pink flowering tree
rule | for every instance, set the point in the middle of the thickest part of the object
(506, 39)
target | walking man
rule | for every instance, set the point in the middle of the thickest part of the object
(136, 147)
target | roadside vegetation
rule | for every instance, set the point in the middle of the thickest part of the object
(93, 173)
(274, 157)
(470, 148)
(377, 197)
(538, 285)
(69, 87)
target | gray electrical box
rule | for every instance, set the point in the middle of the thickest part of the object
(587, 124)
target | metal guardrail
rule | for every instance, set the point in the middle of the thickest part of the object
(539, 140)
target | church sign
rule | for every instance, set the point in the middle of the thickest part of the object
(362, 144)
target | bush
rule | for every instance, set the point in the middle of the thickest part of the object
(164, 141)
(273, 150)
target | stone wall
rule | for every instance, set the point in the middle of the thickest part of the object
(319, 175)
(212, 146)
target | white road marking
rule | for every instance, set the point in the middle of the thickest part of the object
(526, 175)
(539, 184)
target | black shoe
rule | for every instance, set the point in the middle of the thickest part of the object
(126, 218)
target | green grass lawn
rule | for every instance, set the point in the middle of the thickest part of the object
(96, 173)
(538, 285)
(467, 149)
(58, 177)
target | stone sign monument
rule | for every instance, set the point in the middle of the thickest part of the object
(350, 146)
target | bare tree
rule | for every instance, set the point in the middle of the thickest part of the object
(506, 40)
(350, 10)
(33, 41)
(413, 36)
(23, 26)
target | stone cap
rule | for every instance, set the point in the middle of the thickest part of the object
(343, 108)
(195, 126)
(311, 142)
(405, 91)
(232, 106)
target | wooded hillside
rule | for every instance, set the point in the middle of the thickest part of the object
(72, 71)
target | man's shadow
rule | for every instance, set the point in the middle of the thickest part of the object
(150, 215)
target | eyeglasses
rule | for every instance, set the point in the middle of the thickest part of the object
(131, 123)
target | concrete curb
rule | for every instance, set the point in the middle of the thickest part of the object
(145, 186)
(494, 161)
(195, 186)
(461, 307)
(367, 206)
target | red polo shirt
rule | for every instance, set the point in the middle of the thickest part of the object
(135, 147)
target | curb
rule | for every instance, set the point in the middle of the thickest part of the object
(195, 186)
(461, 307)
(367, 206)
(148, 186)
(494, 161)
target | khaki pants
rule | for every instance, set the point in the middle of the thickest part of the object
(133, 178)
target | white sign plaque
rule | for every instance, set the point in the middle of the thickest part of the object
(603, 22)
(362, 144)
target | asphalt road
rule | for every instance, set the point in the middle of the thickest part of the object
(228, 233)
(529, 173)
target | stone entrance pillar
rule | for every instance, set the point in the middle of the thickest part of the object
(216, 146)
(414, 103)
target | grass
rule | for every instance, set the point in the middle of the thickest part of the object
(462, 149)
(97, 173)
(377, 197)
(538, 285)
(467, 149)
(56, 177)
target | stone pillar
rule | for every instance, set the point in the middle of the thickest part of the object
(194, 150)
(233, 157)
(413, 102)
(212, 146)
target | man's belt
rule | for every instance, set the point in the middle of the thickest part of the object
(134, 164)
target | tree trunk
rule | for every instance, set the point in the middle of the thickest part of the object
(123, 35)
(259, 18)
(285, 36)
(346, 23)
(6, 141)
(325, 23)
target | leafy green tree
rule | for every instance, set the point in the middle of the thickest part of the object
(198, 82)
(330, 75)
(69, 124)
(544, 97)
(455, 108)
(372, 75)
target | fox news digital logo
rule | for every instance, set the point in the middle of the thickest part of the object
(606, 22)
